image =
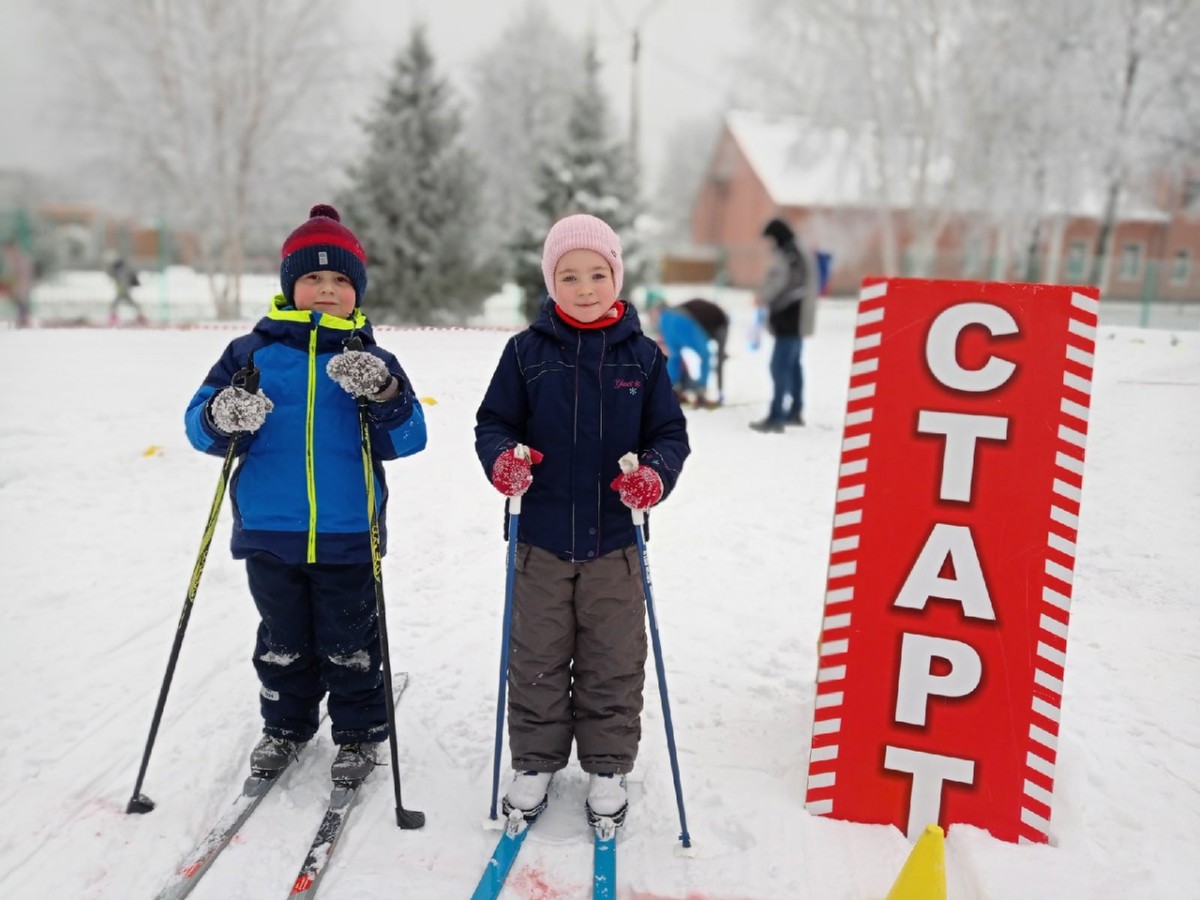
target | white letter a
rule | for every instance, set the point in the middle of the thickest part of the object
(967, 586)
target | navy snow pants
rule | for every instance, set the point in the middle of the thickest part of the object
(319, 634)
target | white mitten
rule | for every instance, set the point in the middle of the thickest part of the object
(360, 374)
(233, 410)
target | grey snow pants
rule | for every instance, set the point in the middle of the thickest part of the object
(577, 661)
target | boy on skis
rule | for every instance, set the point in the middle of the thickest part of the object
(572, 394)
(300, 518)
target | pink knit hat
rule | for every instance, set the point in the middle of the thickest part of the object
(582, 232)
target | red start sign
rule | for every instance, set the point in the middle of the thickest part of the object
(944, 639)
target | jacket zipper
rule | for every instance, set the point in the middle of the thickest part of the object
(308, 446)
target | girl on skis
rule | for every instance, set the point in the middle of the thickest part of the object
(572, 394)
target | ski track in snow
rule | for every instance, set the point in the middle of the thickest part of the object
(103, 504)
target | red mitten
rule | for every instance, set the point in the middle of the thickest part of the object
(639, 489)
(510, 472)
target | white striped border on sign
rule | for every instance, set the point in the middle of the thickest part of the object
(1054, 615)
(843, 550)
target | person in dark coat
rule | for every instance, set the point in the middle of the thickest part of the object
(299, 493)
(581, 422)
(790, 316)
(125, 279)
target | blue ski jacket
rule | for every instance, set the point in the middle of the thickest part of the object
(299, 490)
(584, 398)
(679, 331)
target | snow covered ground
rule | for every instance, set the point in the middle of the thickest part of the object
(102, 505)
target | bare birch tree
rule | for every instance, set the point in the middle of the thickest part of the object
(883, 70)
(1139, 58)
(1022, 109)
(207, 113)
(1025, 113)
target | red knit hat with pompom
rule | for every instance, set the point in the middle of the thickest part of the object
(323, 243)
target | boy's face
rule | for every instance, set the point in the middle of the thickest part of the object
(331, 293)
(583, 285)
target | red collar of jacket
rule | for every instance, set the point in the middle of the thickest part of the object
(612, 317)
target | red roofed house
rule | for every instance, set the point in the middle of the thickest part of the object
(820, 182)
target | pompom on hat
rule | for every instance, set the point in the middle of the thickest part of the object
(323, 243)
(582, 232)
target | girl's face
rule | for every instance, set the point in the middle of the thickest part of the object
(331, 293)
(583, 285)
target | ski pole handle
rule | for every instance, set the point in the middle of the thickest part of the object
(354, 344)
(629, 463)
(247, 378)
(521, 451)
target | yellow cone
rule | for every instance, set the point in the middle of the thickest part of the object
(153, 450)
(924, 874)
(428, 401)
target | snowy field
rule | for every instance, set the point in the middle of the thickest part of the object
(102, 505)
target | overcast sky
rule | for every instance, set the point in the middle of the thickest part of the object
(684, 60)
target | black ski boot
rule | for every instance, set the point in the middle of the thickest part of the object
(353, 763)
(272, 755)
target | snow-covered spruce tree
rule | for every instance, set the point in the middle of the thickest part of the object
(412, 200)
(523, 85)
(588, 171)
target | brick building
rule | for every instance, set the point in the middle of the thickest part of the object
(773, 165)
(86, 237)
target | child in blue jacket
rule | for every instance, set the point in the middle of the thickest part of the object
(300, 518)
(679, 330)
(572, 394)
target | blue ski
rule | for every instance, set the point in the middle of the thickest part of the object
(492, 882)
(604, 861)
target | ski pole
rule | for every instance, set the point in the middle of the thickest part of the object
(405, 818)
(639, 520)
(247, 380)
(514, 517)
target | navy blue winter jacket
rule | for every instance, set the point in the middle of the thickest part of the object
(299, 491)
(584, 398)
